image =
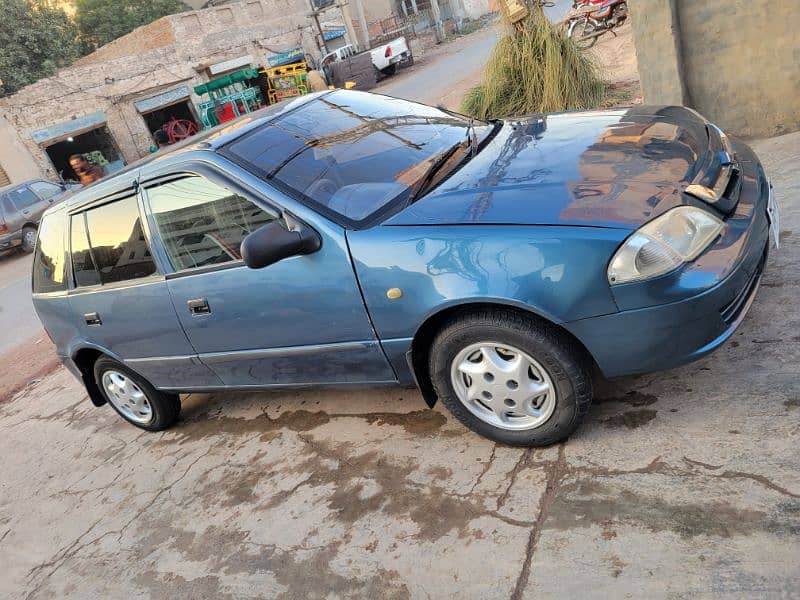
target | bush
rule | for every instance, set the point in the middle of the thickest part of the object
(535, 69)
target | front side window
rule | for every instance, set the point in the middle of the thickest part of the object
(119, 249)
(351, 153)
(202, 223)
(45, 190)
(50, 257)
(23, 198)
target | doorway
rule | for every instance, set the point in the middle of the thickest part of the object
(163, 119)
(97, 145)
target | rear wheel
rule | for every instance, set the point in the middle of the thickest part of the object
(390, 70)
(510, 378)
(134, 398)
(28, 239)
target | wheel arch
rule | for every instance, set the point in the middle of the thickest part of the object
(419, 354)
(84, 359)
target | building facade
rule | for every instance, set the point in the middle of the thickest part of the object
(110, 103)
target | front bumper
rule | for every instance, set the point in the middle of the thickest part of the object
(683, 316)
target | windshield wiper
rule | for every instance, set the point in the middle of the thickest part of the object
(435, 167)
(472, 137)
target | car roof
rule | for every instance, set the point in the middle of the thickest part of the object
(209, 140)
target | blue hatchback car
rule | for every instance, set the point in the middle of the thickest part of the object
(347, 238)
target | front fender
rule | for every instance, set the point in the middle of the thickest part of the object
(558, 273)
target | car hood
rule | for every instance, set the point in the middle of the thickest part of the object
(598, 168)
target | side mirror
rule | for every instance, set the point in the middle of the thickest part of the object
(275, 241)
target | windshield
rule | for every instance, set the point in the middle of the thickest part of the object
(353, 154)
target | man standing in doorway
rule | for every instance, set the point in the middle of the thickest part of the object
(86, 171)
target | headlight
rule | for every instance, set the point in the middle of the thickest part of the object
(676, 237)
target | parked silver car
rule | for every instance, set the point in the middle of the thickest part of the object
(21, 208)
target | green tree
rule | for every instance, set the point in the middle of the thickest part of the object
(35, 40)
(101, 21)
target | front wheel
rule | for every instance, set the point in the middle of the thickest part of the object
(510, 378)
(134, 398)
(582, 33)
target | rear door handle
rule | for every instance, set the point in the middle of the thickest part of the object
(199, 306)
(92, 319)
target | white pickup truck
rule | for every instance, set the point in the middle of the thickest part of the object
(385, 57)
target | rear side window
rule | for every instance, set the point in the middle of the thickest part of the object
(202, 223)
(23, 198)
(115, 235)
(83, 269)
(50, 257)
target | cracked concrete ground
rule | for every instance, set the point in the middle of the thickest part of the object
(682, 483)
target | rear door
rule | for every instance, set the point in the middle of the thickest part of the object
(299, 321)
(120, 299)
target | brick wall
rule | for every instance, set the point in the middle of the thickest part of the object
(158, 34)
(740, 60)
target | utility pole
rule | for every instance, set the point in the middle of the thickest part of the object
(461, 13)
(438, 26)
(362, 24)
(347, 16)
(315, 15)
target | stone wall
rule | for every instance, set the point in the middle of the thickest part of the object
(737, 62)
(171, 52)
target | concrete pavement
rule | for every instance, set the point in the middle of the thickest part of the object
(680, 484)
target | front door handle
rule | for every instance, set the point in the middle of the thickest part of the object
(199, 306)
(92, 319)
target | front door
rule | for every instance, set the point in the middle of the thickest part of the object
(299, 321)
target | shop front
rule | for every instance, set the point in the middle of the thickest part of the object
(87, 137)
(170, 117)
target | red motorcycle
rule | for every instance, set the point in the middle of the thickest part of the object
(589, 19)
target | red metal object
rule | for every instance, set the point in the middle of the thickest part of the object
(180, 129)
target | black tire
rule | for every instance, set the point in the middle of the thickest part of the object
(390, 70)
(165, 407)
(563, 359)
(28, 239)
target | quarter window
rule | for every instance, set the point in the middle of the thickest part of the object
(49, 259)
(202, 223)
(116, 237)
(6, 206)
